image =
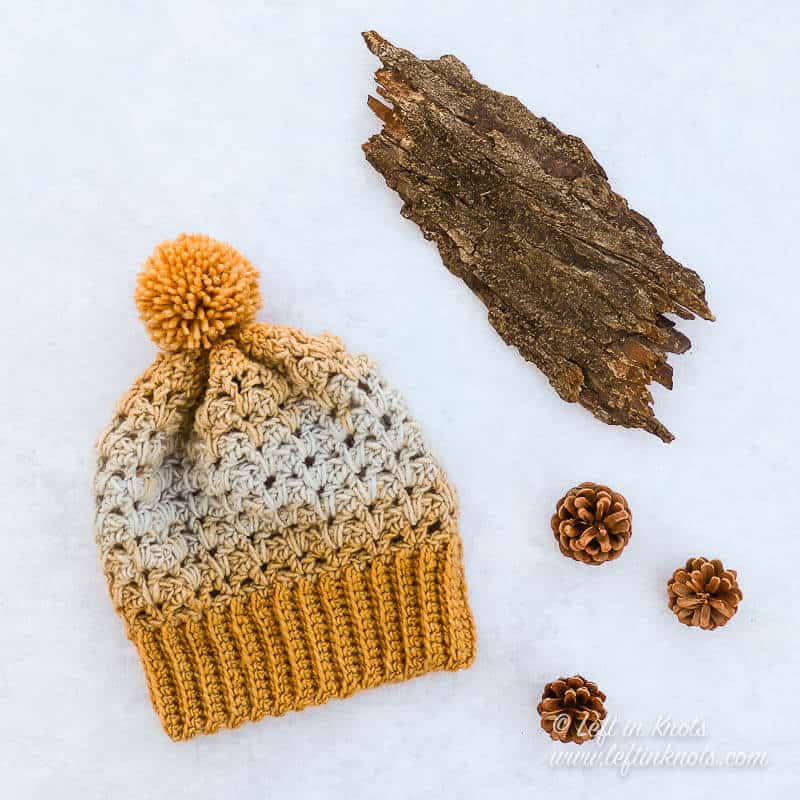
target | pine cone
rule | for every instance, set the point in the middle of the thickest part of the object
(704, 594)
(592, 523)
(572, 709)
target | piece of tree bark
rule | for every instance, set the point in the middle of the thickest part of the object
(571, 276)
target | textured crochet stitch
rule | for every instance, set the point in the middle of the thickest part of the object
(272, 527)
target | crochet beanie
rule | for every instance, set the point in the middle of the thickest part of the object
(272, 527)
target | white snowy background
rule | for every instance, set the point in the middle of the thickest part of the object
(124, 124)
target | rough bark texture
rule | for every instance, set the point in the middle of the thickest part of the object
(571, 276)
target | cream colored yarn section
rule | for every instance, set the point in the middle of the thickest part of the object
(276, 457)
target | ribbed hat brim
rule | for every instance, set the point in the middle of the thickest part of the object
(305, 643)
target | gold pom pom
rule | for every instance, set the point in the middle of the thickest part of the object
(194, 289)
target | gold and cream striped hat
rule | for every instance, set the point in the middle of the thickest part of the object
(272, 527)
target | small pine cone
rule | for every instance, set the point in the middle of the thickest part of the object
(572, 709)
(592, 523)
(704, 594)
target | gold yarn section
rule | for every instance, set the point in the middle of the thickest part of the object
(302, 644)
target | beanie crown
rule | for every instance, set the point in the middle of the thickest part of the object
(273, 529)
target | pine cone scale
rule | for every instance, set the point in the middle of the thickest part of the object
(619, 522)
(722, 607)
(603, 506)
